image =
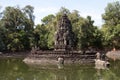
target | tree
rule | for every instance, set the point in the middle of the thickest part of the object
(112, 14)
(12, 18)
(41, 36)
(89, 35)
(47, 19)
(29, 17)
(28, 34)
(111, 27)
(2, 44)
(18, 24)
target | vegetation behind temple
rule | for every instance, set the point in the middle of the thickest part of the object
(18, 33)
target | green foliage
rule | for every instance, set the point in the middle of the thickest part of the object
(2, 45)
(12, 18)
(41, 36)
(18, 28)
(111, 27)
(112, 14)
(48, 19)
(88, 35)
(28, 17)
(2, 37)
(15, 43)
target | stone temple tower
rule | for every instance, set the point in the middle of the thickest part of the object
(64, 37)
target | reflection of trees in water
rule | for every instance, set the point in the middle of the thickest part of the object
(11, 69)
(105, 75)
(70, 73)
(115, 68)
(15, 69)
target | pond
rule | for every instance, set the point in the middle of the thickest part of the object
(16, 69)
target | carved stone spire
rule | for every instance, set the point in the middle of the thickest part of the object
(64, 35)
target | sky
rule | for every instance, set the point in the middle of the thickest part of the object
(42, 8)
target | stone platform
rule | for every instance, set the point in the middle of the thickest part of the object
(69, 57)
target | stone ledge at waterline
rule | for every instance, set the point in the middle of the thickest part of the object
(54, 62)
(115, 55)
(53, 58)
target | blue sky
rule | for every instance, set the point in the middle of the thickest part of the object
(93, 8)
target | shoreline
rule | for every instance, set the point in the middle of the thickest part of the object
(56, 62)
(60, 57)
(52, 58)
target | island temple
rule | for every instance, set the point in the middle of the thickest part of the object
(63, 48)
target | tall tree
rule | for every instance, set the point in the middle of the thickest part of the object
(29, 17)
(12, 18)
(111, 26)
(47, 19)
(112, 14)
(89, 35)
(41, 37)
(2, 37)
(49, 23)
(2, 34)
(19, 25)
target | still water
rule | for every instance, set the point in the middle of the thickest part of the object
(16, 69)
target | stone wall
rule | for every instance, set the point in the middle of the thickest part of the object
(51, 57)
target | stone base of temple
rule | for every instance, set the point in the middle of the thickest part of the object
(56, 57)
(55, 62)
